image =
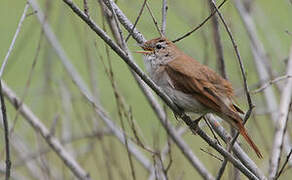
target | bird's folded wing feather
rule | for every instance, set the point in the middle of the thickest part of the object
(205, 85)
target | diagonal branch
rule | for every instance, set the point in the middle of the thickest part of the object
(14, 39)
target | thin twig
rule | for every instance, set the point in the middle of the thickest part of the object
(214, 156)
(271, 82)
(221, 170)
(135, 132)
(284, 165)
(6, 134)
(199, 26)
(214, 135)
(30, 156)
(27, 84)
(13, 40)
(154, 19)
(30, 14)
(218, 44)
(163, 18)
(136, 21)
(86, 9)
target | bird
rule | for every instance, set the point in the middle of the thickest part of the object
(192, 86)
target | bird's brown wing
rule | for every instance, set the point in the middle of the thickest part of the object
(205, 85)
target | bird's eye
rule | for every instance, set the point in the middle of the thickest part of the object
(158, 46)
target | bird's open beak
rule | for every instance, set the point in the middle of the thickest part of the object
(147, 50)
(144, 52)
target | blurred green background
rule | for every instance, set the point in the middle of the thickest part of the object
(49, 80)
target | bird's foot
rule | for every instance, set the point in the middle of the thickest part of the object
(195, 124)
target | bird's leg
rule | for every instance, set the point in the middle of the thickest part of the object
(195, 124)
(175, 115)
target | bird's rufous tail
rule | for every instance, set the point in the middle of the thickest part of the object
(243, 132)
